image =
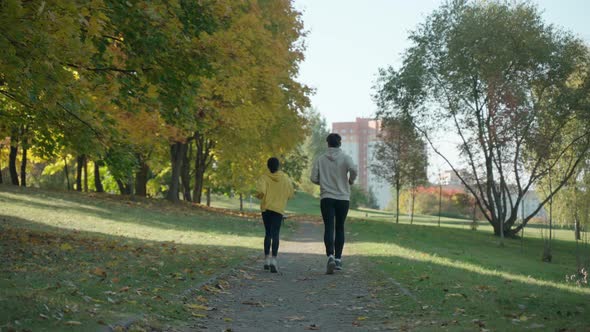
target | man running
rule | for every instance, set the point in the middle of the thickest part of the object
(335, 172)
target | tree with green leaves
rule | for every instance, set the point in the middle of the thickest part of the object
(314, 146)
(509, 86)
(401, 157)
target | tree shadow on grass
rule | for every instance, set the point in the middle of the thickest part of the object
(163, 216)
(446, 283)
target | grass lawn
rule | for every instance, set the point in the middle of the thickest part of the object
(74, 261)
(462, 280)
(301, 204)
(305, 204)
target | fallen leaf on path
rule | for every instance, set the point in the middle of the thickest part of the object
(257, 304)
(296, 318)
(222, 284)
(227, 319)
(73, 323)
(536, 326)
(198, 307)
(211, 289)
(479, 323)
(423, 277)
(99, 272)
(361, 318)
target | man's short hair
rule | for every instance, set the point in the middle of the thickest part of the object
(273, 164)
(334, 140)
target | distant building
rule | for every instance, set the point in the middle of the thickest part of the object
(449, 177)
(359, 140)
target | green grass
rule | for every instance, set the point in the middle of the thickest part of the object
(306, 204)
(73, 261)
(301, 204)
(463, 280)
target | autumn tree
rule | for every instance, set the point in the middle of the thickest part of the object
(251, 104)
(509, 86)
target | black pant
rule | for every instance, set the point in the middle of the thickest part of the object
(334, 210)
(272, 226)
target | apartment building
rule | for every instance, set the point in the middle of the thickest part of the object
(359, 140)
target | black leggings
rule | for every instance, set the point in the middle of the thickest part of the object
(334, 210)
(272, 226)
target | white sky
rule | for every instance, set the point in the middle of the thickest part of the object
(349, 40)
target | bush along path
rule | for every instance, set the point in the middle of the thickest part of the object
(300, 297)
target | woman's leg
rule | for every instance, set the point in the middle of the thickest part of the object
(275, 231)
(267, 232)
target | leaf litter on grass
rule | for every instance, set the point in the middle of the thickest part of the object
(90, 280)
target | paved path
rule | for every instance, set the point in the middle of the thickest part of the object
(300, 297)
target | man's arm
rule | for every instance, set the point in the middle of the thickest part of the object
(315, 172)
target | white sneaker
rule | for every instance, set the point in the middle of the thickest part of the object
(331, 265)
(274, 266)
(267, 263)
(338, 264)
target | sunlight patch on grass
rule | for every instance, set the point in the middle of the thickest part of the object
(141, 232)
(393, 250)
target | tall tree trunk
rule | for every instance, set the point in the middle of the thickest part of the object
(198, 188)
(23, 167)
(397, 204)
(141, 177)
(124, 188)
(185, 173)
(85, 174)
(439, 201)
(79, 167)
(67, 174)
(241, 202)
(97, 180)
(202, 162)
(12, 164)
(412, 208)
(1, 180)
(176, 157)
(208, 196)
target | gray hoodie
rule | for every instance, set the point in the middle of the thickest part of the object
(334, 171)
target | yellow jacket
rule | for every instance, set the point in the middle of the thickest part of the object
(274, 189)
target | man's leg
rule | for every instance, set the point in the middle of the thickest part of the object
(327, 207)
(341, 211)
